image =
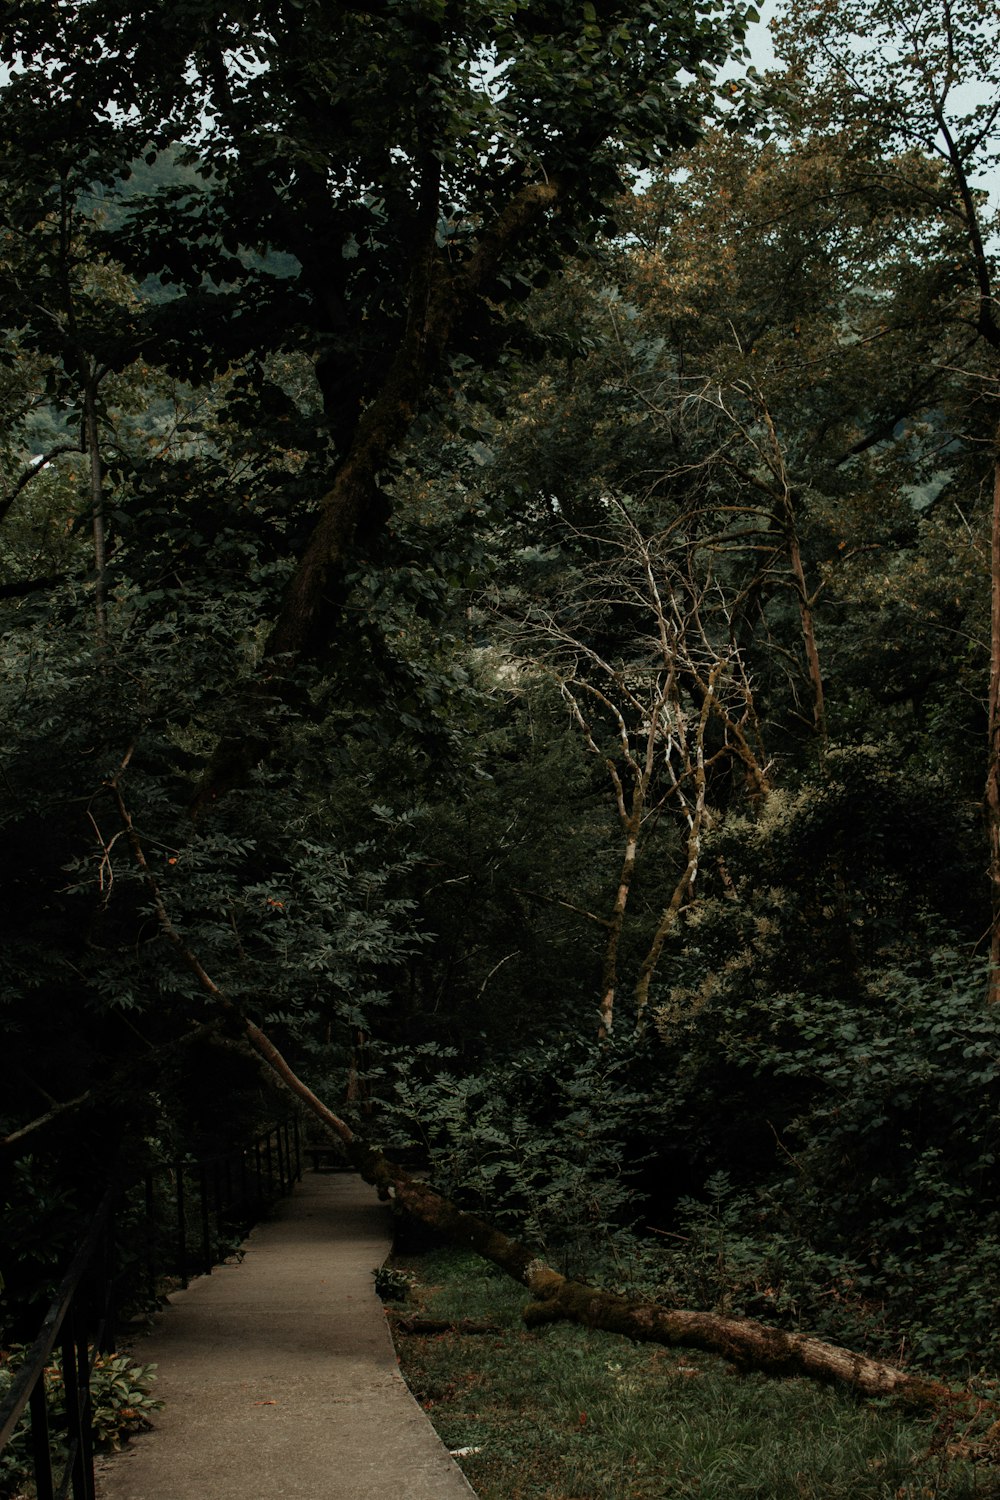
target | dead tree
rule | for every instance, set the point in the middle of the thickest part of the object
(676, 702)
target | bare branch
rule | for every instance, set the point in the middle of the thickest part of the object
(32, 472)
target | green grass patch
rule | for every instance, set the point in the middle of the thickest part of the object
(570, 1414)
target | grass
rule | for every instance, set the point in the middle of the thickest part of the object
(570, 1414)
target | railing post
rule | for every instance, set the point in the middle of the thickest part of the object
(89, 1489)
(41, 1453)
(206, 1232)
(279, 1144)
(107, 1330)
(76, 1385)
(218, 1204)
(149, 1194)
(182, 1262)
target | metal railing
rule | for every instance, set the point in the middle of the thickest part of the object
(193, 1211)
(79, 1322)
(131, 1244)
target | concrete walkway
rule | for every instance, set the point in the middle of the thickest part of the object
(279, 1375)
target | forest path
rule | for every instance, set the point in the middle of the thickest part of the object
(279, 1375)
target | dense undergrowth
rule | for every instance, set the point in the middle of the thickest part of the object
(820, 1162)
(122, 1402)
(570, 1414)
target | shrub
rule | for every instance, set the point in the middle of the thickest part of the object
(537, 1142)
(877, 1203)
(121, 1405)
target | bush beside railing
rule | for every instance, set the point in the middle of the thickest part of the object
(179, 1220)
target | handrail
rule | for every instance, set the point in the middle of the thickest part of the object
(37, 1356)
(87, 1324)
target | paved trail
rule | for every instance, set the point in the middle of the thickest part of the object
(279, 1375)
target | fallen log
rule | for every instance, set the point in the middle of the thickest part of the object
(744, 1342)
(418, 1326)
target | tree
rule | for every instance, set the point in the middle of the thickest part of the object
(748, 382)
(769, 343)
(904, 76)
(389, 356)
(643, 650)
(419, 167)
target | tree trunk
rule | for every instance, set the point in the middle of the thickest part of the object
(439, 297)
(747, 1343)
(993, 759)
(630, 816)
(91, 439)
(682, 894)
(808, 628)
(616, 922)
(791, 532)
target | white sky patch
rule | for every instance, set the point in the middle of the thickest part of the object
(964, 97)
(759, 38)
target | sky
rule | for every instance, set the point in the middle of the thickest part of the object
(759, 38)
(762, 56)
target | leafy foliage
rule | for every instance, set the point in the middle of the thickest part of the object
(877, 1216)
(538, 1144)
(122, 1402)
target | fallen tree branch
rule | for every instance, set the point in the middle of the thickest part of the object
(416, 1326)
(50, 1114)
(743, 1341)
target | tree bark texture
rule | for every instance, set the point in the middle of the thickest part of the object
(993, 757)
(787, 523)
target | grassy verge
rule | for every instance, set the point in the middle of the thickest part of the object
(569, 1414)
